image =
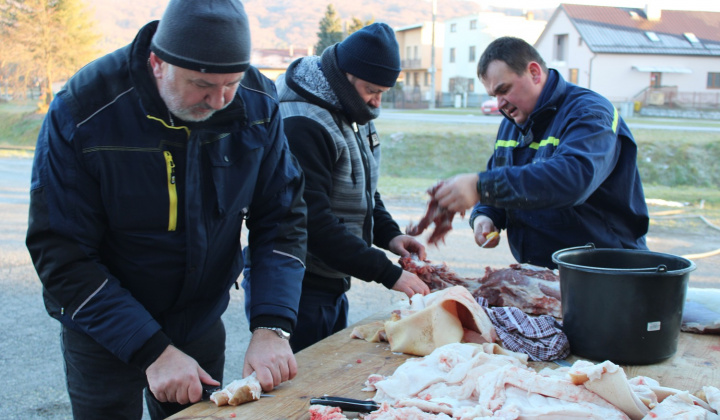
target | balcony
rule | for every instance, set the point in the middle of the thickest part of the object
(415, 63)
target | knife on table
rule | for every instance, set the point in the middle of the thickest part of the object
(347, 404)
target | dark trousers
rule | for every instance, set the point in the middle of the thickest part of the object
(103, 387)
(321, 314)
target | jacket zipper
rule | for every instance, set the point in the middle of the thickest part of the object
(172, 191)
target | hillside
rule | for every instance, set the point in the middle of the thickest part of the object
(279, 23)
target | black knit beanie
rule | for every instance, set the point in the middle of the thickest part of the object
(371, 54)
(209, 36)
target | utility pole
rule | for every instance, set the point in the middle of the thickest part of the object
(432, 57)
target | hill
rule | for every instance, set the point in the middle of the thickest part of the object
(279, 23)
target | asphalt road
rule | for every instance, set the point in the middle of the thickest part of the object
(30, 360)
(442, 118)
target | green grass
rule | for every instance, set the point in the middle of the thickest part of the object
(675, 165)
(19, 124)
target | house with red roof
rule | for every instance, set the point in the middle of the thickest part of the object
(649, 58)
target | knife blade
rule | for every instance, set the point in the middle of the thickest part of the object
(347, 404)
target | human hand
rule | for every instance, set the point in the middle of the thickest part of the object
(458, 193)
(271, 358)
(483, 229)
(410, 284)
(177, 377)
(404, 245)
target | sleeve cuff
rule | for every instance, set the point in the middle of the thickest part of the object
(149, 352)
(272, 321)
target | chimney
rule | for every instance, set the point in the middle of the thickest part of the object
(530, 16)
(653, 12)
(292, 51)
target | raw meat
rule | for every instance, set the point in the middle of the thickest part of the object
(434, 214)
(437, 319)
(238, 392)
(701, 313)
(324, 412)
(462, 381)
(533, 290)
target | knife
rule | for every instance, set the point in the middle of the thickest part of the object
(347, 404)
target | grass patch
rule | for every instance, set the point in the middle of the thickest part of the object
(675, 165)
(19, 124)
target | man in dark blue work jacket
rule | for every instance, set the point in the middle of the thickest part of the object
(146, 166)
(564, 170)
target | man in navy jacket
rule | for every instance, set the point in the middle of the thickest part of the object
(564, 170)
(146, 166)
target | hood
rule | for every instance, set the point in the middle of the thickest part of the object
(305, 82)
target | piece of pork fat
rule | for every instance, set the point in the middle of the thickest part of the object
(679, 406)
(637, 396)
(387, 412)
(492, 389)
(445, 316)
(324, 412)
(712, 396)
(238, 392)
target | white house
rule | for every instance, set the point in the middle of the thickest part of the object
(629, 55)
(467, 37)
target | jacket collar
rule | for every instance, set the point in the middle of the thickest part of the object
(552, 95)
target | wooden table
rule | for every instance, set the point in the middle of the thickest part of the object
(339, 365)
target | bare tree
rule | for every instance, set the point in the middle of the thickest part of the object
(51, 39)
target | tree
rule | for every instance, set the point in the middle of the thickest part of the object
(330, 30)
(50, 39)
(357, 24)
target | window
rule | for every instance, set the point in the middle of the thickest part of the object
(473, 24)
(560, 52)
(415, 51)
(407, 53)
(691, 37)
(713, 81)
(452, 55)
(573, 76)
(471, 54)
(655, 79)
(453, 27)
(652, 36)
(427, 79)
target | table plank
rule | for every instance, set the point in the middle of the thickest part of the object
(340, 365)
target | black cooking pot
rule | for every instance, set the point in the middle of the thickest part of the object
(622, 305)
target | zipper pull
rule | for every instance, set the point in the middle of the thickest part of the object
(355, 127)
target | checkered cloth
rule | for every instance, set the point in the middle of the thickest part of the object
(539, 337)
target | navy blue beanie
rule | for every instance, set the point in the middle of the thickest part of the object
(371, 54)
(209, 36)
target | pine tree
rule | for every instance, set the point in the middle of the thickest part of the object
(51, 39)
(330, 30)
(357, 24)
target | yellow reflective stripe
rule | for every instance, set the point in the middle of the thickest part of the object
(181, 127)
(616, 117)
(172, 191)
(506, 143)
(547, 142)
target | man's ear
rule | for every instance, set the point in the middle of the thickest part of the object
(156, 65)
(535, 71)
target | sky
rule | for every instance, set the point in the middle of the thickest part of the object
(706, 5)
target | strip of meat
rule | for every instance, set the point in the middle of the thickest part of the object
(442, 218)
